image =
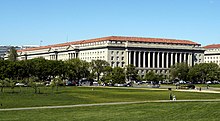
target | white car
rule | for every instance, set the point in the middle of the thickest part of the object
(20, 84)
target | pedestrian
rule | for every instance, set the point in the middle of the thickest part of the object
(200, 88)
(171, 97)
(174, 98)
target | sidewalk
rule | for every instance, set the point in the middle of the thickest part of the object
(104, 104)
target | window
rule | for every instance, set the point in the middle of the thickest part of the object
(117, 58)
(117, 64)
(122, 64)
(122, 53)
(112, 64)
(122, 58)
(112, 52)
(117, 52)
(112, 58)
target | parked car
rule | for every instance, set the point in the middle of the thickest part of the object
(20, 84)
(119, 85)
(189, 86)
(208, 82)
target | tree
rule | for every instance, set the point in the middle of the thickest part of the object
(77, 69)
(28, 69)
(41, 69)
(33, 82)
(204, 72)
(57, 82)
(12, 54)
(56, 68)
(155, 78)
(4, 83)
(98, 67)
(179, 71)
(131, 72)
(3, 68)
(12, 84)
(118, 75)
(107, 75)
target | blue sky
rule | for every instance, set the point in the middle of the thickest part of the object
(27, 22)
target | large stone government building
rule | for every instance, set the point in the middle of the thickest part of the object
(212, 54)
(146, 54)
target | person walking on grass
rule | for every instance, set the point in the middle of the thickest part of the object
(171, 97)
(174, 98)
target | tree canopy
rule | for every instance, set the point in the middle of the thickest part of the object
(131, 72)
(98, 67)
(204, 72)
(118, 75)
(12, 54)
(153, 77)
(179, 71)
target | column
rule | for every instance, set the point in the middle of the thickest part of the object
(126, 57)
(190, 59)
(153, 59)
(129, 57)
(180, 58)
(162, 59)
(139, 59)
(184, 57)
(167, 58)
(171, 63)
(176, 58)
(135, 58)
(158, 60)
(144, 59)
(148, 61)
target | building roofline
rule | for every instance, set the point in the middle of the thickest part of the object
(117, 38)
(212, 46)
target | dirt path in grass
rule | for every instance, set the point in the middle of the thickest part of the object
(104, 104)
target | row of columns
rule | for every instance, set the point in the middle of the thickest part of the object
(72, 55)
(149, 59)
(55, 56)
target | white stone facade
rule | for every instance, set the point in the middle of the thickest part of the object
(212, 54)
(145, 54)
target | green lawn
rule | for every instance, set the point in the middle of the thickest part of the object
(173, 111)
(88, 95)
(210, 85)
(197, 85)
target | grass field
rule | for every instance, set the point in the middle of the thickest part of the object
(190, 111)
(175, 111)
(87, 95)
(197, 85)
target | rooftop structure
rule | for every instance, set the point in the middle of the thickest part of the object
(147, 54)
(212, 53)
